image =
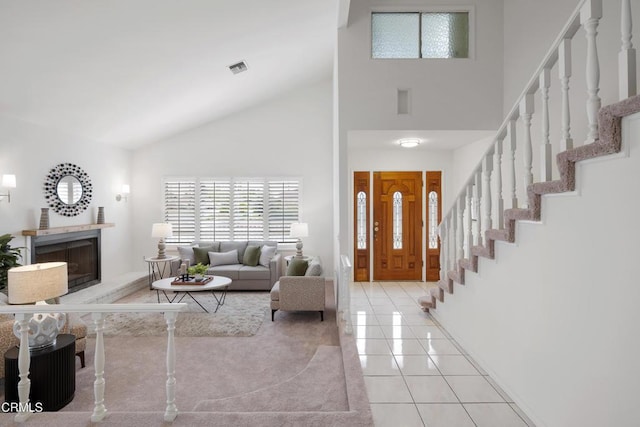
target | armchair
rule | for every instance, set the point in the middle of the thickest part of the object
(300, 293)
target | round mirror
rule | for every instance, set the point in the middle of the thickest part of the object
(69, 190)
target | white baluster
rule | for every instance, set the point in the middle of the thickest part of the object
(24, 363)
(499, 199)
(171, 411)
(442, 235)
(590, 15)
(545, 148)
(451, 236)
(477, 203)
(460, 233)
(454, 236)
(99, 410)
(564, 70)
(487, 168)
(467, 218)
(627, 55)
(512, 161)
(526, 111)
(346, 293)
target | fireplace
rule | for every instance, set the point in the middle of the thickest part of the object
(80, 250)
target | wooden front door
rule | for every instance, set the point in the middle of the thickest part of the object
(397, 226)
(434, 216)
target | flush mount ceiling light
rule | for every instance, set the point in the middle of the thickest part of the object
(238, 67)
(409, 142)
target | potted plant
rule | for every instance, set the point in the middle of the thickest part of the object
(8, 258)
(198, 271)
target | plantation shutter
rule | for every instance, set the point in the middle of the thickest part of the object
(248, 210)
(215, 210)
(283, 201)
(180, 209)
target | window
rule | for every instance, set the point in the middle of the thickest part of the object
(397, 220)
(362, 220)
(433, 220)
(231, 208)
(420, 35)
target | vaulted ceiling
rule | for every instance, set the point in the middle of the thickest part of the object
(129, 72)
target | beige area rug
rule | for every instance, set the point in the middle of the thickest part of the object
(295, 371)
(240, 316)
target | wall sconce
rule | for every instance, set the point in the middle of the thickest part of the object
(124, 193)
(8, 181)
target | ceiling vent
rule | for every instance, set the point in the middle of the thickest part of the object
(238, 68)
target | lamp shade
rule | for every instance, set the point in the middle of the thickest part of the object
(161, 229)
(126, 189)
(299, 229)
(37, 282)
(9, 181)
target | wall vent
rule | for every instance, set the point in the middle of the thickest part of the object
(238, 67)
(404, 101)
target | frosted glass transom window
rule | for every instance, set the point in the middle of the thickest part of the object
(445, 35)
(397, 220)
(419, 35)
(394, 35)
(433, 220)
(362, 220)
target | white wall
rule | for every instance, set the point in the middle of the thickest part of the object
(529, 29)
(554, 317)
(287, 136)
(465, 159)
(30, 151)
(445, 93)
(458, 94)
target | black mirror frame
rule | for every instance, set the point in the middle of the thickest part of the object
(51, 185)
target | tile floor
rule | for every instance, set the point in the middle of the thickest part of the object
(415, 373)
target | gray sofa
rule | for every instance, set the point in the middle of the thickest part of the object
(244, 277)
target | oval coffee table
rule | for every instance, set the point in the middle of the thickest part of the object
(219, 284)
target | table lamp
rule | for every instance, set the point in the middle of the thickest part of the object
(36, 283)
(161, 230)
(299, 230)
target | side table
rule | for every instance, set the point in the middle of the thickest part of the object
(159, 267)
(288, 258)
(52, 372)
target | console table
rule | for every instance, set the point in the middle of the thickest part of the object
(52, 372)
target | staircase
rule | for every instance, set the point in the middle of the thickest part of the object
(463, 242)
(550, 311)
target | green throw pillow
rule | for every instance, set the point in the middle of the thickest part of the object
(297, 267)
(251, 256)
(202, 254)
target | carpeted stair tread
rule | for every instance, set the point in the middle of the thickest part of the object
(325, 393)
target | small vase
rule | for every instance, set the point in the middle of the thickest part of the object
(44, 218)
(100, 215)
